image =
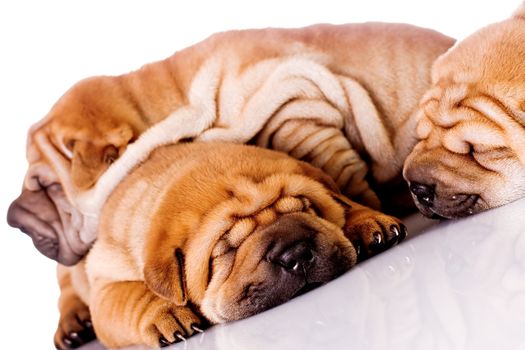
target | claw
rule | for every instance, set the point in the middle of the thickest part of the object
(377, 245)
(180, 336)
(197, 329)
(361, 252)
(395, 230)
(404, 232)
(74, 336)
(163, 342)
(377, 237)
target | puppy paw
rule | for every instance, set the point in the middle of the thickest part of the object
(74, 328)
(372, 232)
(166, 324)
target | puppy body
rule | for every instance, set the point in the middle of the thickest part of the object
(329, 95)
(472, 139)
(216, 232)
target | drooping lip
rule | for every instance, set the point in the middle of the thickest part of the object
(44, 235)
(465, 208)
(36, 214)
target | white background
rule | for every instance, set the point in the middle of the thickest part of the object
(46, 46)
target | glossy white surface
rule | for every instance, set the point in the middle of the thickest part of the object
(453, 285)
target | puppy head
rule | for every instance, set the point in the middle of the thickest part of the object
(264, 242)
(67, 152)
(90, 125)
(471, 151)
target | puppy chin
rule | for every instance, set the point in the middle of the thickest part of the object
(253, 299)
(442, 209)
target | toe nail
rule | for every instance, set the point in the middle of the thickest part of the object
(88, 324)
(197, 329)
(360, 251)
(377, 237)
(403, 233)
(179, 336)
(395, 230)
(68, 342)
(163, 342)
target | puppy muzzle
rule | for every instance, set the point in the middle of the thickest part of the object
(443, 205)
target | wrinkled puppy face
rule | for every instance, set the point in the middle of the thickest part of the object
(289, 257)
(471, 153)
(67, 152)
(277, 246)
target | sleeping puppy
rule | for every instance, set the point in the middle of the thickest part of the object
(471, 153)
(213, 233)
(340, 97)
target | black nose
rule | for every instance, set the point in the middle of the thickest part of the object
(424, 193)
(294, 258)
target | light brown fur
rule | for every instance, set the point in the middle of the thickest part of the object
(471, 129)
(196, 232)
(340, 97)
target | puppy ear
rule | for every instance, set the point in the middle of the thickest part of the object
(164, 274)
(91, 159)
(120, 136)
(346, 203)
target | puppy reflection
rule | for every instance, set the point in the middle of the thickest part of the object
(210, 233)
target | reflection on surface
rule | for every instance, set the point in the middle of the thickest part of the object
(456, 285)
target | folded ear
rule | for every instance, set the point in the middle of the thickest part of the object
(89, 161)
(92, 157)
(164, 274)
(342, 200)
(120, 136)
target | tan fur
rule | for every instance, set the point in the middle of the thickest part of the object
(75, 316)
(194, 207)
(329, 95)
(472, 122)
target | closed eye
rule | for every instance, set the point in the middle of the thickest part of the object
(66, 146)
(471, 150)
(225, 261)
(110, 154)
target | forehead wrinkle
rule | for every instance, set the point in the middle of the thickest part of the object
(250, 199)
(248, 251)
(240, 230)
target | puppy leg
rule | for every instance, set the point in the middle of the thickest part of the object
(328, 149)
(372, 232)
(128, 313)
(74, 327)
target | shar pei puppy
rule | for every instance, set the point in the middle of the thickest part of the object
(341, 97)
(206, 233)
(471, 153)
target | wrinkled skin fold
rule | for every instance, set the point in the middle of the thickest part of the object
(40, 215)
